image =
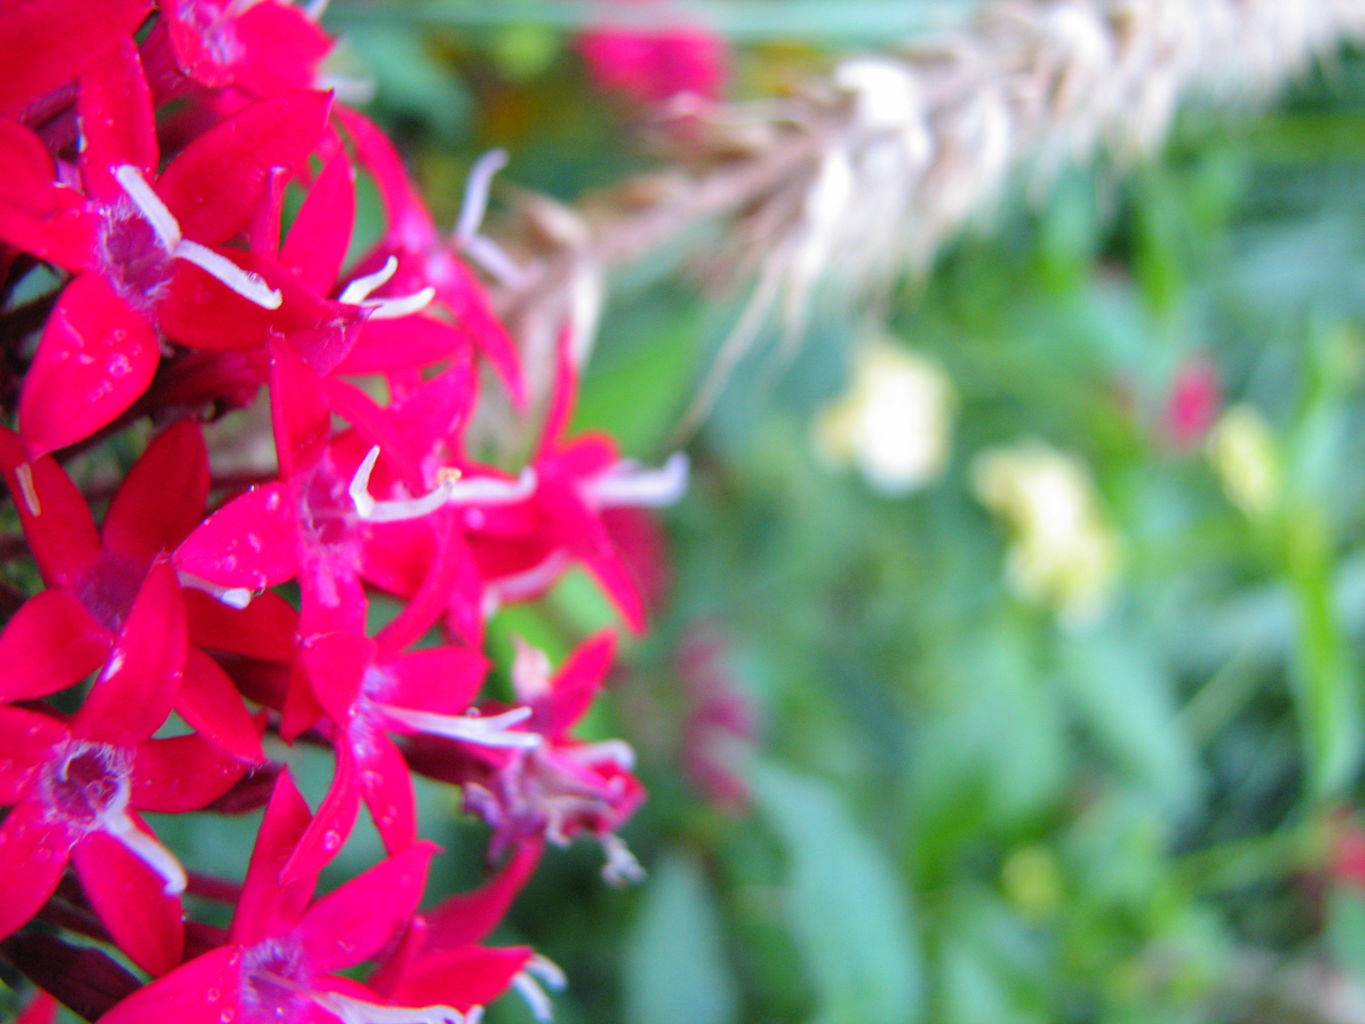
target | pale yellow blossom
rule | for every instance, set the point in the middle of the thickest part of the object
(1244, 455)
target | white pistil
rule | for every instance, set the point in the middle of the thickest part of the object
(621, 867)
(450, 491)
(149, 204)
(476, 191)
(627, 484)
(148, 850)
(246, 284)
(358, 293)
(358, 1011)
(494, 731)
(249, 286)
(527, 984)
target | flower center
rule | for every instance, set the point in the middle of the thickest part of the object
(136, 261)
(275, 982)
(88, 785)
(108, 589)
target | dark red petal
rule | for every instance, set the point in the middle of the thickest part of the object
(96, 357)
(578, 681)
(27, 739)
(299, 412)
(213, 186)
(468, 917)
(332, 825)
(130, 900)
(264, 629)
(200, 992)
(354, 922)
(60, 530)
(161, 500)
(133, 696)
(317, 241)
(264, 901)
(386, 787)
(34, 849)
(462, 978)
(181, 773)
(117, 126)
(209, 702)
(444, 680)
(50, 644)
(408, 218)
(250, 542)
(48, 43)
(335, 666)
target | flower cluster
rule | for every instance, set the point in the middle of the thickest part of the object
(178, 196)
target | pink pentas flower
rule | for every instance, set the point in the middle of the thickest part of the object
(656, 63)
(284, 950)
(75, 788)
(62, 634)
(1193, 403)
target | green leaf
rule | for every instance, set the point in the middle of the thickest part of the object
(1346, 929)
(1124, 697)
(675, 969)
(849, 914)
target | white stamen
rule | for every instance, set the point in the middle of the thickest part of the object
(619, 752)
(525, 584)
(148, 850)
(527, 987)
(249, 286)
(400, 305)
(149, 204)
(549, 972)
(233, 597)
(629, 484)
(493, 731)
(621, 867)
(361, 288)
(24, 473)
(454, 491)
(358, 1011)
(489, 255)
(476, 194)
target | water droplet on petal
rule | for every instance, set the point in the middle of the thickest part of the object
(331, 840)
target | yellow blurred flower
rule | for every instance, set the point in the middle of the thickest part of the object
(1063, 552)
(893, 423)
(1245, 457)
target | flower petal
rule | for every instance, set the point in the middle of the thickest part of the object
(96, 357)
(386, 786)
(317, 241)
(130, 900)
(468, 917)
(444, 680)
(264, 629)
(50, 643)
(45, 44)
(355, 921)
(180, 774)
(264, 901)
(250, 542)
(200, 992)
(117, 126)
(27, 739)
(332, 825)
(34, 849)
(213, 185)
(161, 500)
(60, 530)
(133, 695)
(461, 978)
(209, 702)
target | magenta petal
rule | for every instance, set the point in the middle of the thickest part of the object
(60, 530)
(130, 900)
(578, 681)
(27, 739)
(211, 704)
(45, 44)
(354, 922)
(250, 542)
(161, 500)
(117, 127)
(468, 917)
(335, 666)
(96, 357)
(179, 774)
(264, 901)
(332, 825)
(50, 643)
(213, 186)
(41, 1010)
(317, 241)
(32, 849)
(264, 629)
(386, 786)
(444, 680)
(133, 696)
(200, 992)
(384, 345)
(299, 412)
(462, 978)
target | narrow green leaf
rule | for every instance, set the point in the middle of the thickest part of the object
(675, 970)
(850, 915)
